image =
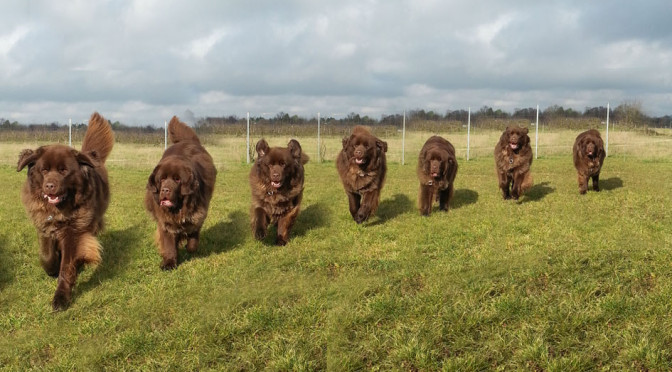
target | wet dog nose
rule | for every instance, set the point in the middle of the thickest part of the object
(49, 187)
(358, 152)
(165, 190)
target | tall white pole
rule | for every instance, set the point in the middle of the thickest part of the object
(248, 138)
(319, 160)
(403, 139)
(536, 136)
(70, 132)
(165, 134)
(468, 131)
(606, 150)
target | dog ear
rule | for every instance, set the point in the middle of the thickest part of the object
(294, 148)
(190, 184)
(262, 148)
(381, 145)
(28, 157)
(346, 141)
(151, 182)
(82, 158)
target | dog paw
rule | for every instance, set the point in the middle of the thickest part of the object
(259, 233)
(60, 302)
(167, 265)
(280, 241)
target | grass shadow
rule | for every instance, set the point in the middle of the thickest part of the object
(117, 249)
(313, 217)
(221, 237)
(391, 208)
(611, 184)
(463, 197)
(537, 192)
(6, 275)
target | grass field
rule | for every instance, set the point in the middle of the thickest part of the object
(557, 281)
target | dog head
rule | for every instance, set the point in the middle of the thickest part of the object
(56, 173)
(363, 148)
(172, 181)
(516, 138)
(279, 166)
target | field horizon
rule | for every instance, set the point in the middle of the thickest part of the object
(555, 281)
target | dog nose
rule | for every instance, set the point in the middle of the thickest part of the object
(49, 187)
(165, 190)
(358, 152)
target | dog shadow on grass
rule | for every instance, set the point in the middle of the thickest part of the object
(611, 184)
(117, 249)
(221, 237)
(391, 208)
(537, 192)
(463, 197)
(313, 217)
(6, 274)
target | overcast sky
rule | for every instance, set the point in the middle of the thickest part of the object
(140, 62)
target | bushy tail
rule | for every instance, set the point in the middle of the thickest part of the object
(99, 138)
(180, 132)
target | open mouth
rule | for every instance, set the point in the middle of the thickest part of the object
(513, 145)
(54, 199)
(166, 203)
(359, 160)
(435, 174)
(276, 185)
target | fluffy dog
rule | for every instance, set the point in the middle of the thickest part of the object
(362, 166)
(66, 195)
(588, 158)
(276, 181)
(513, 158)
(179, 192)
(437, 167)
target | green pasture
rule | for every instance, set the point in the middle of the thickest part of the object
(556, 281)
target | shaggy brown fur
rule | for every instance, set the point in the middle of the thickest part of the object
(276, 181)
(513, 158)
(362, 166)
(437, 167)
(588, 158)
(66, 195)
(179, 192)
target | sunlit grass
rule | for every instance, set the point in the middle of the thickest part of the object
(557, 281)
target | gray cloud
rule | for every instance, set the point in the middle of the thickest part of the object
(143, 61)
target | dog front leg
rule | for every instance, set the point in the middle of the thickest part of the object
(67, 272)
(168, 250)
(285, 224)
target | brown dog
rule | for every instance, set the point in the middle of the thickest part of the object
(179, 192)
(66, 195)
(513, 158)
(276, 181)
(362, 166)
(437, 167)
(588, 158)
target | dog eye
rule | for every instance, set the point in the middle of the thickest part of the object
(62, 170)
(176, 179)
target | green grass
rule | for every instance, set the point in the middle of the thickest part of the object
(557, 281)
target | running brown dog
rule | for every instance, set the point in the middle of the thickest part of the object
(588, 159)
(513, 158)
(437, 167)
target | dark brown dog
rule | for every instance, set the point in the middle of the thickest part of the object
(66, 195)
(362, 166)
(588, 158)
(513, 158)
(179, 192)
(437, 167)
(276, 181)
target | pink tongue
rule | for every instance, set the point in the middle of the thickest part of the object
(276, 184)
(513, 145)
(434, 174)
(359, 161)
(166, 203)
(53, 200)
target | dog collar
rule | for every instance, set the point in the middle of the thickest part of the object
(511, 160)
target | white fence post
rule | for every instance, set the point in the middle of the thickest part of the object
(536, 136)
(70, 132)
(165, 134)
(247, 148)
(468, 131)
(319, 160)
(606, 150)
(403, 139)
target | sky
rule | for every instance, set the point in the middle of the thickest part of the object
(140, 62)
